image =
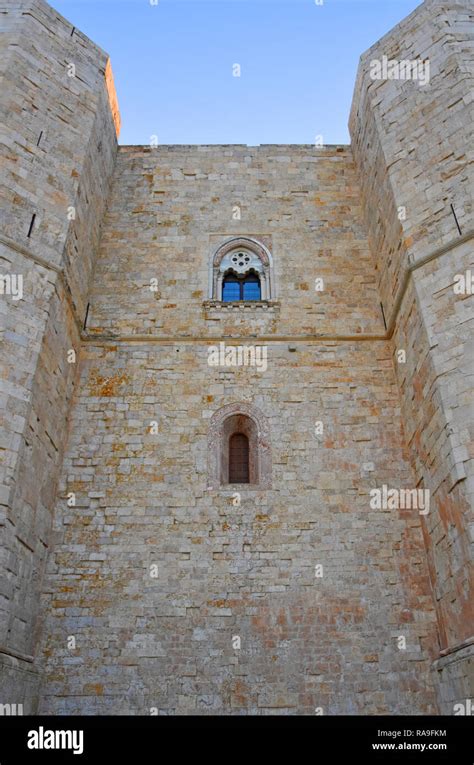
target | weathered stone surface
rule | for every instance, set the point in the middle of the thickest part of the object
(52, 125)
(226, 570)
(412, 146)
(165, 591)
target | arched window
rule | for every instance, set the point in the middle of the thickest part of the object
(239, 468)
(239, 448)
(241, 269)
(236, 287)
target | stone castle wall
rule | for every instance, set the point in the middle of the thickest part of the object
(412, 146)
(161, 592)
(171, 207)
(143, 498)
(58, 147)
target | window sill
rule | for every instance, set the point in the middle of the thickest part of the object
(242, 305)
(240, 487)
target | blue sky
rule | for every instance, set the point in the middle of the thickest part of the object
(173, 65)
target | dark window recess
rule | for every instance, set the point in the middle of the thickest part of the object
(73, 30)
(31, 224)
(241, 288)
(39, 139)
(239, 458)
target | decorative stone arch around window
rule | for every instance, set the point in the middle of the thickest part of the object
(227, 421)
(255, 257)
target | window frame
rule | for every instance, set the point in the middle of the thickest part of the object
(232, 418)
(248, 278)
(260, 261)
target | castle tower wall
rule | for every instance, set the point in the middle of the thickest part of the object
(58, 142)
(412, 144)
(157, 571)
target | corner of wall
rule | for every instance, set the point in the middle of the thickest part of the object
(59, 151)
(410, 136)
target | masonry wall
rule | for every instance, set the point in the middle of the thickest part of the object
(58, 147)
(115, 637)
(226, 571)
(172, 206)
(142, 498)
(411, 145)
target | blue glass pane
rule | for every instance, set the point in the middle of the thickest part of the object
(251, 290)
(230, 291)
